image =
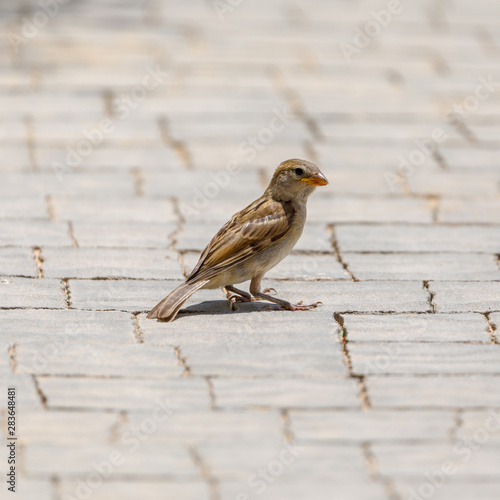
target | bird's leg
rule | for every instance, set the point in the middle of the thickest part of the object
(255, 291)
(239, 295)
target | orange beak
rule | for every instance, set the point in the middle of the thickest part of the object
(316, 180)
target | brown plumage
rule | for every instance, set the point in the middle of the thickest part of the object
(253, 241)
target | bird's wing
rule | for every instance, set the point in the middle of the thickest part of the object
(248, 232)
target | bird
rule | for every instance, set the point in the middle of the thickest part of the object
(252, 242)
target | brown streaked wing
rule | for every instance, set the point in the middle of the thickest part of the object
(248, 232)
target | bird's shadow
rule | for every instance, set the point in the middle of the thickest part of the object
(222, 307)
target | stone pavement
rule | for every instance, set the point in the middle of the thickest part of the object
(131, 130)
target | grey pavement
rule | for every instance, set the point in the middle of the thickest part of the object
(131, 131)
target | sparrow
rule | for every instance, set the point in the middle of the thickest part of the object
(252, 242)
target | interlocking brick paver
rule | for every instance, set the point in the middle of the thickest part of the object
(95, 393)
(425, 458)
(78, 359)
(126, 235)
(424, 266)
(207, 427)
(26, 292)
(393, 358)
(286, 392)
(424, 238)
(464, 297)
(34, 233)
(148, 490)
(113, 210)
(47, 326)
(370, 209)
(417, 328)
(464, 211)
(18, 262)
(111, 262)
(358, 488)
(434, 391)
(376, 425)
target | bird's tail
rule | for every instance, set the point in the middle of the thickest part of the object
(168, 308)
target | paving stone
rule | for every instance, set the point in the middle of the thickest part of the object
(18, 262)
(67, 428)
(427, 458)
(135, 395)
(361, 296)
(84, 360)
(198, 189)
(453, 488)
(463, 212)
(293, 462)
(199, 428)
(429, 358)
(320, 358)
(423, 266)
(376, 425)
(425, 238)
(142, 459)
(466, 327)
(32, 489)
(241, 328)
(26, 292)
(107, 155)
(286, 392)
(111, 262)
(70, 183)
(124, 295)
(454, 184)
(359, 488)
(34, 233)
(343, 209)
(465, 297)
(147, 490)
(433, 391)
(125, 235)
(114, 210)
(471, 157)
(56, 327)
(23, 208)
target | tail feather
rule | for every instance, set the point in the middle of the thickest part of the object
(168, 308)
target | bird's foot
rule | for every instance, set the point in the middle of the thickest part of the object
(303, 307)
(237, 296)
(287, 305)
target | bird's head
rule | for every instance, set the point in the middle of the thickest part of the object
(295, 179)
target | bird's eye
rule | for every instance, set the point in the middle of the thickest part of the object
(299, 171)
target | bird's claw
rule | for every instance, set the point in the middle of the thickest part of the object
(269, 290)
(305, 307)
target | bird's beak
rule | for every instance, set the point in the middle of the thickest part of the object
(316, 180)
